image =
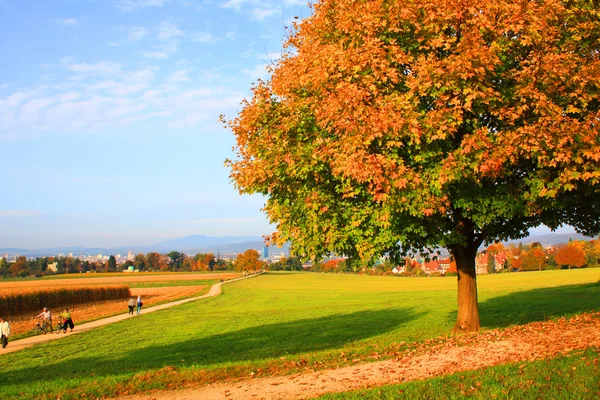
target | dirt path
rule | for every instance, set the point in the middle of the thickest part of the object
(17, 345)
(446, 356)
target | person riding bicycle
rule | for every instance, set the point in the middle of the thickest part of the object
(67, 321)
(46, 317)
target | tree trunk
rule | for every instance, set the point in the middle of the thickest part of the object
(468, 310)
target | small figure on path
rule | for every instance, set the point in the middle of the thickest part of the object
(4, 332)
(131, 305)
(139, 304)
(67, 320)
(46, 317)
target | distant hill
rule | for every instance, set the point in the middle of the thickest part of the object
(187, 244)
(551, 238)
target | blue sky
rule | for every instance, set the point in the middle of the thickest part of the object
(109, 131)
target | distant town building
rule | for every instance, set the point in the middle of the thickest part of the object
(265, 252)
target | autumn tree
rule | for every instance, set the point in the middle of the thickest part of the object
(593, 251)
(19, 267)
(140, 262)
(153, 261)
(427, 123)
(205, 262)
(571, 255)
(248, 261)
(111, 264)
(4, 266)
(534, 259)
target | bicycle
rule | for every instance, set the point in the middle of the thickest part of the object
(42, 327)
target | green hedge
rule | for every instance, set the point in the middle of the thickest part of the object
(22, 303)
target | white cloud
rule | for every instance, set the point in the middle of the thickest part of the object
(203, 37)
(66, 21)
(19, 213)
(262, 13)
(179, 76)
(168, 31)
(97, 96)
(259, 71)
(130, 5)
(100, 68)
(158, 55)
(168, 34)
(17, 98)
(234, 4)
(137, 33)
(68, 97)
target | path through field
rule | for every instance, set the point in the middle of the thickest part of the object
(445, 356)
(17, 345)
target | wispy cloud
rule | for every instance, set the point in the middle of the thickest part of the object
(226, 220)
(234, 4)
(168, 35)
(259, 71)
(104, 95)
(168, 31)
(130, 5)
(100, 68)
(66, 21)
(137, 33)
(179, 76)
(204, 37)
(157, 55)
(19, 213)
(295, 2)
(261, 14)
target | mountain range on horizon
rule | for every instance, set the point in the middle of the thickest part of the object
(226, 245)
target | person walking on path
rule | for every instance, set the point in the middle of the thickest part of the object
(131, 305)
(46, 317)
(67, 320)
(139, 304)
(4, 332)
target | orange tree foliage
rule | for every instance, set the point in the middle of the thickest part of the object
(248, 261)
(534, 259)
(571, 255)
(427, 123)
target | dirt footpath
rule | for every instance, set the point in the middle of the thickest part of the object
(469, 352)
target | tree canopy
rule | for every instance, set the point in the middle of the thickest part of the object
(427, 123)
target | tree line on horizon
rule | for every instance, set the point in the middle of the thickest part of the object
(515, 257)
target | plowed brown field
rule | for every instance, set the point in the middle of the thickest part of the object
(108, 279)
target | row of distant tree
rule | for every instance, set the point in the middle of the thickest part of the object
(498, 258)
(173, 261)
(534, 257)
(575, 254)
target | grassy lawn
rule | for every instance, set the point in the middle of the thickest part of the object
(576, 376)
(281, 323)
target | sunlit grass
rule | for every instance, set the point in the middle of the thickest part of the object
(280, 323)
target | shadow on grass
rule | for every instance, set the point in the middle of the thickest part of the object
(251, 344)
(538, 305)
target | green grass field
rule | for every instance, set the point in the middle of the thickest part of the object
(280, 323)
